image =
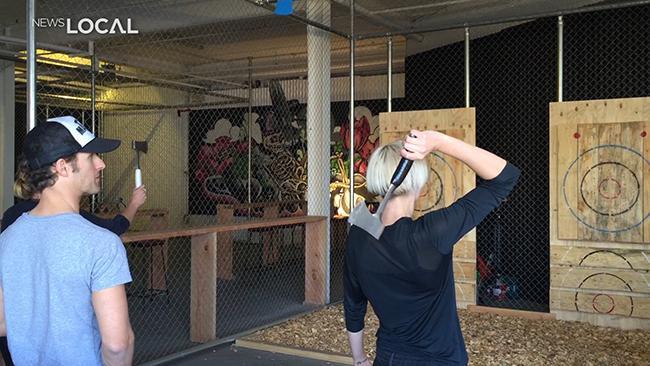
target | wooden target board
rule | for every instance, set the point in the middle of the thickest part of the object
(600, 208)
(449, 179)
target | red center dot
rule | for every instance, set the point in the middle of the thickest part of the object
(609, 188)
(600, 303)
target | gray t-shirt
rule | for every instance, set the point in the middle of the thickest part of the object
(49, 268)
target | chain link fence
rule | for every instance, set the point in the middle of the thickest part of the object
(223, 115)
(512, 86)
(606, 54)
(513, 71)
(219, 94)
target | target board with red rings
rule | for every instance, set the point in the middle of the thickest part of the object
(608, 188)
(603, 181)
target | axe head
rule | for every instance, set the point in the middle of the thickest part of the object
(362, 218)
(140, 146)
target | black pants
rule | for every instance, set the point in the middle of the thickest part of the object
(4, 349)
(388, 358)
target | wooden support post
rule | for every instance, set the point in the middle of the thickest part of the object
(316, 262)
(270, 250)
(224, 243)
(203, 303)
(159, 254)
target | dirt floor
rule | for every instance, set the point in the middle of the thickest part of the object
(490, 339)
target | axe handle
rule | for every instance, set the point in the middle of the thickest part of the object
(138, 178)
(400, 173)
(398, 177)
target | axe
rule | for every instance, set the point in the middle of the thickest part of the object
(371, 223)
(139, 146)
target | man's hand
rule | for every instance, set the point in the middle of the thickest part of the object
(138, 197)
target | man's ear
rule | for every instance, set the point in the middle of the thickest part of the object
(61, 168)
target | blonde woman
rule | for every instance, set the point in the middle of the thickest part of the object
(407, 275)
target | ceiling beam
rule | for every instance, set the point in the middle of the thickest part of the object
(513, 19)
(52, 47)
(267, 6)
(419, 7)
(393, 26)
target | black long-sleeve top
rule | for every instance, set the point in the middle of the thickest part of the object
(407, 275)
(118, 225)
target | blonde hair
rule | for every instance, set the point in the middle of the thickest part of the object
(382, 165)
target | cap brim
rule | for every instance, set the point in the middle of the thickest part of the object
(99, 145)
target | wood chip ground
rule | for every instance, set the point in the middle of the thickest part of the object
(490, 339)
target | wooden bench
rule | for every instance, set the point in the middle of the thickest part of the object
(270, 237)
(150, 220)
(205, 251)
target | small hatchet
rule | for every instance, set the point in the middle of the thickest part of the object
(372, 223)
(139, 146)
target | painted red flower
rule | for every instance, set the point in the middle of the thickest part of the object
(361, 133)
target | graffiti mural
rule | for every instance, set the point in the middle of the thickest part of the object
(366, 138)
(218, 153)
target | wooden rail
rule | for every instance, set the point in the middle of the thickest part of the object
(211, 247)
(218, 228)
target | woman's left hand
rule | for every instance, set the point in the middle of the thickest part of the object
(364, 362)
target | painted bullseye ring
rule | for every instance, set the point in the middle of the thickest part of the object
(602, 188)
(603, 277)
(612, 304)
(610, 226)
(442, 186)
(628, 172)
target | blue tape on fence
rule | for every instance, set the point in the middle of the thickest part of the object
(284, 7)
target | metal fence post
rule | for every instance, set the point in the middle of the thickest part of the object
(31, 66)
(352, 45)
(467, 85)
(560, 59)
(390, 74)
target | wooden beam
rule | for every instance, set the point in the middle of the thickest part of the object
(159, 251)
(316, 262)
(604, 320)
(531, 315)
(323, 356)
(270, 238)
(252, 224)
(203, 303)
(224, 244)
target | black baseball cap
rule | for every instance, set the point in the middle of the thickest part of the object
(60, 137)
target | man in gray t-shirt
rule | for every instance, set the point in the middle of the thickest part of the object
(62, 298)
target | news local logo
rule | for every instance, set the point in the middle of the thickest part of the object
(88, 26)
